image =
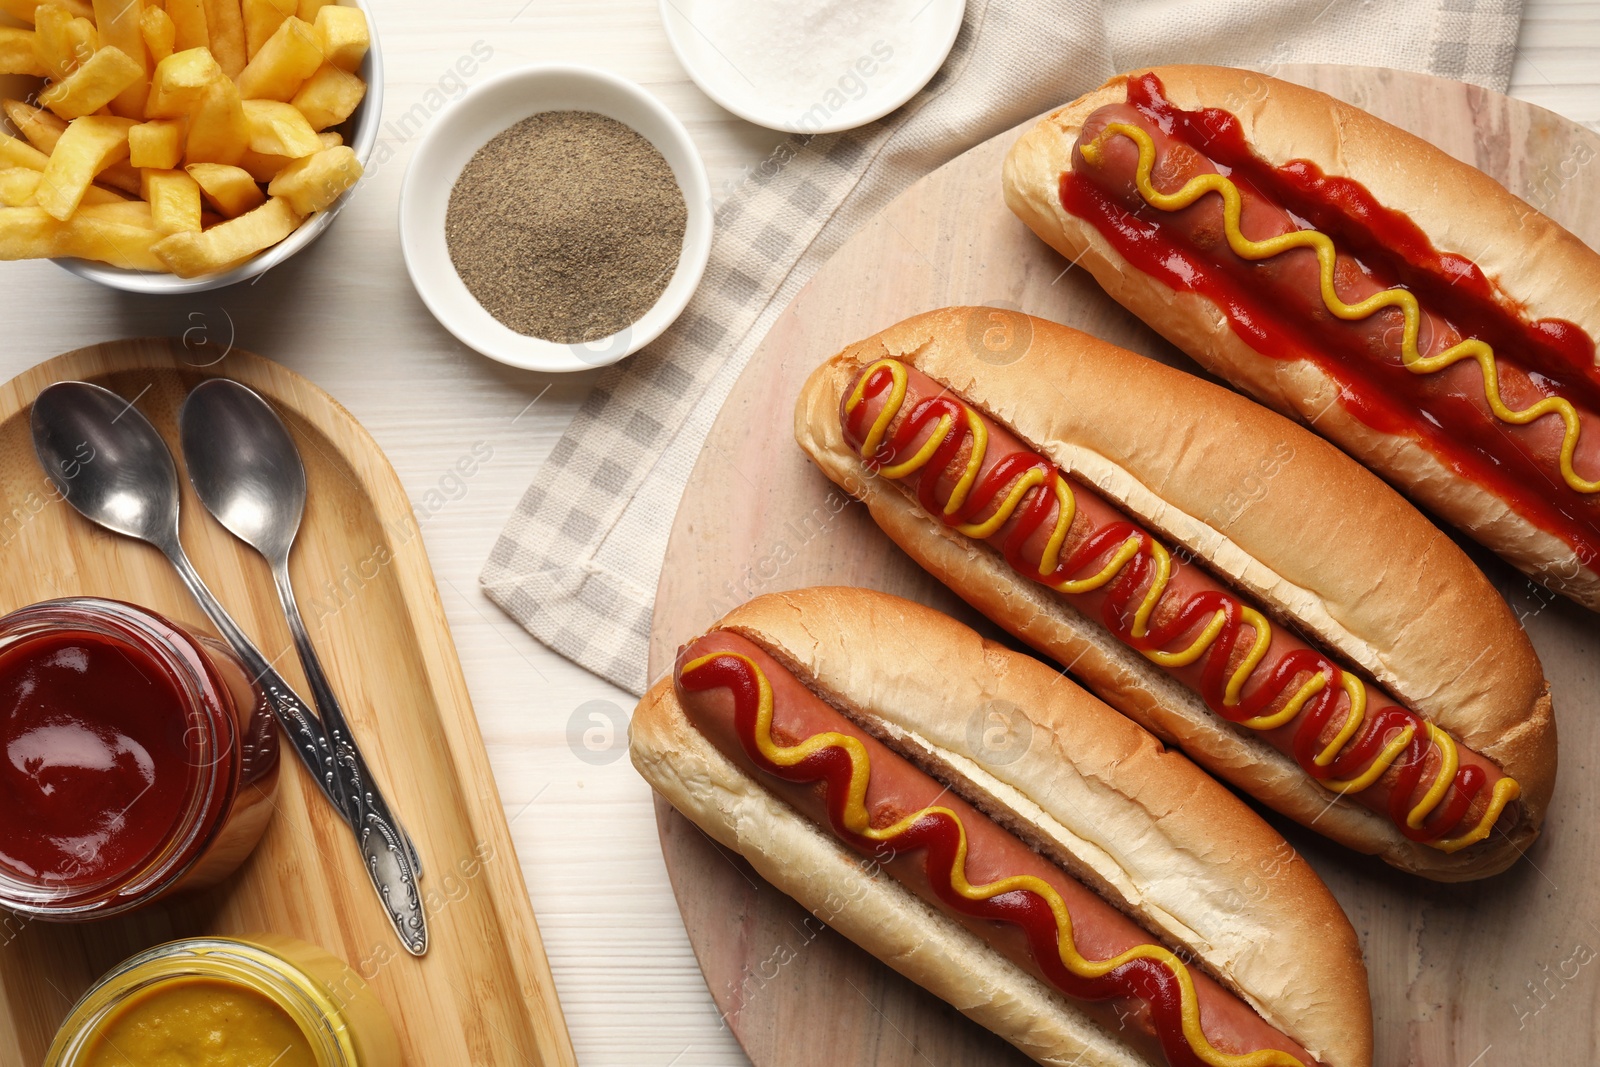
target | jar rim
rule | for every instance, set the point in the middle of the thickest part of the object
(215, 759)
(314, 1012)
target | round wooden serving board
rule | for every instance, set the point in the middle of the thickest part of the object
(1496, 972)
(483, 994)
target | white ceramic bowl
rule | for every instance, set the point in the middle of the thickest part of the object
(484, 112)
(844, 90)
(360, 133)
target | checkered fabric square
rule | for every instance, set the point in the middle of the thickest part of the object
(578, 560)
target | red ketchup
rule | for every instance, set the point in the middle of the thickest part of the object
(96, 768)
(138, 758)
(1389, 247)
(937, 840)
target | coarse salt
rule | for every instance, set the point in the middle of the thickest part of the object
(807, 56)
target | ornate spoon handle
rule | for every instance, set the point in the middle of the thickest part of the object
(334, 765)
(390, 857)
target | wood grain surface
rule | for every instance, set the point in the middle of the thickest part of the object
(483, 994)
(1476, 975)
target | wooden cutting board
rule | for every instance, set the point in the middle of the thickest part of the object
(483, 995)
(1497, 972)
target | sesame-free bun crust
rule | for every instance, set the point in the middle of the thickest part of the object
(1270, 509)
(1538, 267)
(1092, 791)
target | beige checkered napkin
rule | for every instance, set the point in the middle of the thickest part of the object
(578, 560)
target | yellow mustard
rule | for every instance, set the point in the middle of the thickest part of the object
(185, 1021)
(263, 1001)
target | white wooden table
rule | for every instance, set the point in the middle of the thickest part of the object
(344, 314)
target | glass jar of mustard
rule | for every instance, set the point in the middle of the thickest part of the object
(258, 1001)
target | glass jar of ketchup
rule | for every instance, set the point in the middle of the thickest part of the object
(137, 759)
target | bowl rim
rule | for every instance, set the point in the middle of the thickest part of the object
(669, 10)
(550, 356)
(367, 120)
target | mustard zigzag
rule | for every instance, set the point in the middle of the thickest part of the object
(1411, 356)
(890, 466)
(858, 821)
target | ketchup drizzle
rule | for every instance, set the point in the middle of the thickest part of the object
(1383, 722)
(938, 834)
(1394, 250)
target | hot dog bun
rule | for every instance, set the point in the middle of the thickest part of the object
(1092, 791)
(1539, 267)
(1314, 538)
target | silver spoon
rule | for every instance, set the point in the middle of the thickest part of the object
(129, 485)
(246, 470)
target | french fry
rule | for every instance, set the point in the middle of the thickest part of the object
(50, 23)
(174, 199)
(329, 96)
(344, 35)
(118, 24)
(312, 184)
(42, 128)
(157, 144)
(63, 41)
(17, 153)
(262, 19)
(17, 54)
(180, 82)
(218, 132)
(127, 212)
(55, 42)
(83, 41)
(189, 255)
(231, 190)
(90, 144)
(121, 244)
(160, 35)
(99, 194)
(33, 233)
(149, 178)
(290, 56)
(120, 176)
(27, 233)
(188, 24)
(28, 10)
(278, 129)
(101, 80)
(17, 186)
(263, 168)
(225, 23)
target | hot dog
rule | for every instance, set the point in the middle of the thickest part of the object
(1237, 586)
(1435, 326)
(1083, 893)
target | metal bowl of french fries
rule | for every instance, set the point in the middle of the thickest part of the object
(176, 147)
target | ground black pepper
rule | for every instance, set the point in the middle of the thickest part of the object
(567, 226)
